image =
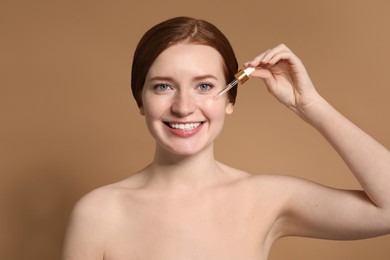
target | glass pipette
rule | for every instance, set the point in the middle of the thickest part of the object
(240, 77)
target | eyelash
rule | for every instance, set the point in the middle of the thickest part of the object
(158, 87)
(210, 86)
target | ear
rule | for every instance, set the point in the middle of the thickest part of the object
(141, 111)
(229, 108)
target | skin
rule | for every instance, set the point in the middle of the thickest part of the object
(186, 205)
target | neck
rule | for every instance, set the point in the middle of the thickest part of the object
(189, 172)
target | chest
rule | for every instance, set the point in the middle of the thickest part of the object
(216, 227)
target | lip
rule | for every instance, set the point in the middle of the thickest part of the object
(185, 133)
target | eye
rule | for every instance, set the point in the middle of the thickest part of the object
(162, 87)
(204, 87)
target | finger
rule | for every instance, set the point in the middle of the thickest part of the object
(267, 55)
(281, 48)
(287, 56)
(261, 73)
(276, 57)
(256, 61)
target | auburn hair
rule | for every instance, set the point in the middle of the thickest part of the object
(178, 30)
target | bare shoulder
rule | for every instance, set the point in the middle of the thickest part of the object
(262, 182)
(108, 198)
(90, 212)
(93, 219)
(281, 188)
(91, 204)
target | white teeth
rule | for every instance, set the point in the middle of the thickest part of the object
(188, 126)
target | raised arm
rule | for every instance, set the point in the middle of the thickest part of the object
(317, 211)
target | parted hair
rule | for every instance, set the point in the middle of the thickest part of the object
(178, 30)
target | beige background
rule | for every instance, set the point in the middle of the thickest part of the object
(68, 123)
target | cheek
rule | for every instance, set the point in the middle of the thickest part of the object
(152, 110)
(215, 108)
(152, 106)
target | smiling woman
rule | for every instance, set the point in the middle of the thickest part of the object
(187, 205)
(178, 101)
(180, 30)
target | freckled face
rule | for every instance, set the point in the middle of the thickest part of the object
(178, 98)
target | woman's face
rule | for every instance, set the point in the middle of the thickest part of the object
(178, 98)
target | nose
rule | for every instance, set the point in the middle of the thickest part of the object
(183, 104)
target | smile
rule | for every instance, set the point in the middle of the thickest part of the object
(184, 126)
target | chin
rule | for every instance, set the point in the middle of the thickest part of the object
(186, 150)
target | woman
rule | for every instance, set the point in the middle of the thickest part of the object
(187, 205)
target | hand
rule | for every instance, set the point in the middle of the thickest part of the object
(285, 77)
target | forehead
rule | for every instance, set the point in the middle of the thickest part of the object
(181, 57)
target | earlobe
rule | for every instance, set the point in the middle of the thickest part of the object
(229, 108)
(141, 111)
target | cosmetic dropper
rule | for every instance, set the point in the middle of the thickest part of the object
(240, 77)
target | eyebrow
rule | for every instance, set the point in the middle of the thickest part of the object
(200, 77)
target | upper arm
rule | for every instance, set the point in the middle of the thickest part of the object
(84, 236)
(313, 210)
